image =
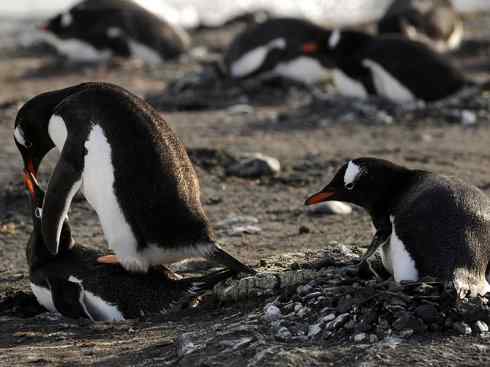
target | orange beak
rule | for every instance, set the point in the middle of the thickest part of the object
(319, 197)
(29, 184)
(310, 47)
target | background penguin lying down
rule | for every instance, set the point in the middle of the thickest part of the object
(96, 29)
(73, 284)
(426, 224)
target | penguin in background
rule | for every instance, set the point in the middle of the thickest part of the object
(426, 224)
(392, 67)
(278, 46)
(131, 168)
(74, 285)
(433, 22)
(98, 29)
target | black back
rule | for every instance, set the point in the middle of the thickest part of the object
(91, 21)
(295, 32)
(155, 182)
(426, 74)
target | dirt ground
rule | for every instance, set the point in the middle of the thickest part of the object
(309, 143)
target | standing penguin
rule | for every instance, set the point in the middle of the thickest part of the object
(434, 22)
(277, 46)
(131, 168)
(73, 284)
(426, 224)
(388, 66)
(115, 27)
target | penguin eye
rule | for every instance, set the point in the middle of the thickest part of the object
(38, 213)
(350, 186)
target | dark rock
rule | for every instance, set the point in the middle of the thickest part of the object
(408, 321)
(428, 313)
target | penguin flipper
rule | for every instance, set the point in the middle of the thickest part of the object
(220, 256)
(379, 239)
(68, 298)
(62, 187)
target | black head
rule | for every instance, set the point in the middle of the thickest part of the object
(367, 182)
(37, 253)
(31, 126)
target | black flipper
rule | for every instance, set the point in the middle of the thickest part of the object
(68, 298)
(221, 257)
(379, 239)
(63, 185)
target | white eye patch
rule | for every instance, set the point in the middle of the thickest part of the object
(38, 212)
(334, 39)
(351, 173)
(66, 19)
(19, 136)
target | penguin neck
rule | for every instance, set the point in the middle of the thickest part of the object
(349, 43)
(396, 184)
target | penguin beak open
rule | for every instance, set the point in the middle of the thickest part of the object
(319, 197)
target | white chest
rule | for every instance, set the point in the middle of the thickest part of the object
(98, 188)
(303, 69)
(77, 50)
(396, 258)
(145, 53)
(387, 85)
(348, 86)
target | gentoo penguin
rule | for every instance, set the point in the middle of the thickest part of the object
(392, 67)
(102, 28)
(131, 168)
(73, 284)
(434, 22)
(426, 224)
(277, 47)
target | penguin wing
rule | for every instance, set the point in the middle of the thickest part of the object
(68, 298)
(63, 185)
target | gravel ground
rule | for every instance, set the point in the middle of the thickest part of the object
(261, 220)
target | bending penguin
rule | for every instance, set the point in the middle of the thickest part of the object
(277, 47)
(73, 284)
(97, 29)
(426, 224)
(433, 22)
(131, 168)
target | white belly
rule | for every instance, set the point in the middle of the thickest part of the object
(348, 86)
(44, 297)
(386, 85)
(77, 50)
(303, 69)
(98, 188)
(396, 258)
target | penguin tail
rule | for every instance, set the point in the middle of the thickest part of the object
(217, 255)
(205, 282)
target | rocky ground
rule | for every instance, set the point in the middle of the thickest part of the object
(310, 307)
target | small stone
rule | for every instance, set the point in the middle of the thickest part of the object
(338, 322)
(304, 289)
(254, 165)
(304, 230)
(240, 109)
(481, 326)
(184, 345)
(406, 333)
(283, 334)
(272, 312)
(360, 337)
(428, 313)
(248, 229)
(303, 312)
(329, 207)
(468, 118)
(236, 220)
(329, 317)
(373, 338)
(314, 330)
(462, 328)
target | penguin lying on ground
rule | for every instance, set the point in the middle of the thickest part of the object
(388, 66)
(131, 168)
(426, 224)
(434, 22)
(98, 29)
(276, 47)
(73, 284)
